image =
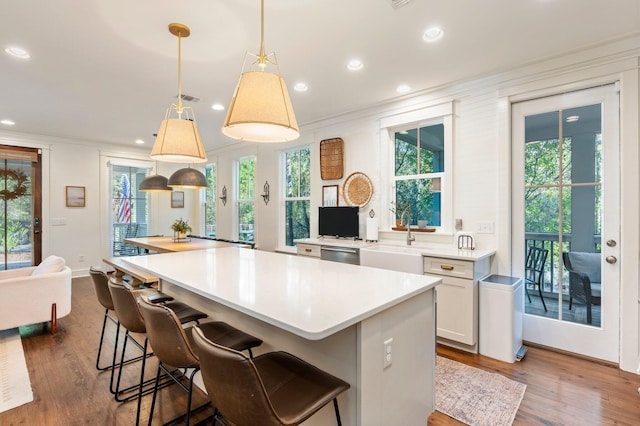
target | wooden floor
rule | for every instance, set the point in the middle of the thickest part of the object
(561, 390)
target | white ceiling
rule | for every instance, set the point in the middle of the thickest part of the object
(106, 70)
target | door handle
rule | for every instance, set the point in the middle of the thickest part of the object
(611, 259)
(611, 243)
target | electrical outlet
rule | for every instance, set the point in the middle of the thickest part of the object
(81, 258)
(387, 353)
(485, 228)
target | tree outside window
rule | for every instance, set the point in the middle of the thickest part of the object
(210, 201)
(297, 169)
(419, 169)
(246, 198)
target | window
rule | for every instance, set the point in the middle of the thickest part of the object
(297, 199)
(210, 201)
(419, 166)
(129, 208)
(246, 209)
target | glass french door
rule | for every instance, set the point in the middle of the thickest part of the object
(566, 199)
(20, 207)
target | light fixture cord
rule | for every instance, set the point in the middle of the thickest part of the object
(179, 108)
(262, 57)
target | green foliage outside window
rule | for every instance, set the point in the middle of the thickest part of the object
(16, 206)
(210, 201)
(297, 170)
(246, 185)
(419, 168)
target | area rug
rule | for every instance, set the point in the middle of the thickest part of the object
(476, 397)
(15, 386)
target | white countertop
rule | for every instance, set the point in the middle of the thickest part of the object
(306, 296)
(401, 247)
(443, 252)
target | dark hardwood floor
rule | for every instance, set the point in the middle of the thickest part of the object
(68, 390)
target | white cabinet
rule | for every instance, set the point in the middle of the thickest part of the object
(312, 250)
(457, 299)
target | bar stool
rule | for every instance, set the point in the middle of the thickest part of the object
(128, 311)
(101, 286)
(172, 345)
(275, 388)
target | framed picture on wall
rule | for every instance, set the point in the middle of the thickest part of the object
(75, 196)
(177, 199)
(330, 195)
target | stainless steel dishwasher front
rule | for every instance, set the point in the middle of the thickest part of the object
(340, 254)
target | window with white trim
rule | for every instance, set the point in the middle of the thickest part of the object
(419, 166)
(420, 147)
(210, 173)
(297, 194)
(246, 198)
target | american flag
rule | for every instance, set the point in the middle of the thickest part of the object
(124, 211)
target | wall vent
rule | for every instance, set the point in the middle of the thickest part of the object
(188, 98)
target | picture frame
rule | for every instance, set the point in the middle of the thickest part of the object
(177, 199)
(330, 195)
(75, 196)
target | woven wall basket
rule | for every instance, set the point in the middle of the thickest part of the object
(331, 159)
(357, 189)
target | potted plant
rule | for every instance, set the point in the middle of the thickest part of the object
(180, 228)
(397, 209)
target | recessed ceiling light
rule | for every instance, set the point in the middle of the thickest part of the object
(217, 107)
(17, 52)
(403, 88)
(572, 118)
(432, 34)
(301, 87)
(8, 122)
(355, 65)
(139, 141)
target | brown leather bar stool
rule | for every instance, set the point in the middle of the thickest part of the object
(271, 389)
(172, 344)
(101, 286)
(128, 311)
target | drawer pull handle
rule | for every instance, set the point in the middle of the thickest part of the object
(446, 267)
(308, 250)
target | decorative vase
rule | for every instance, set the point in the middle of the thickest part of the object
(179, 235)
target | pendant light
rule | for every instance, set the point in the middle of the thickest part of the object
(260, 110)
(187, 178)
(154, 183)
(178, 139)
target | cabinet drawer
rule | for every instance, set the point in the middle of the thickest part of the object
(448, 267)
(308, 250)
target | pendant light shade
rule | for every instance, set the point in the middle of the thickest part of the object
(154, 183)
(260, 110)
(178, 139)
(187, 178)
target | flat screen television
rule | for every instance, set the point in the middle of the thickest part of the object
(338, 222)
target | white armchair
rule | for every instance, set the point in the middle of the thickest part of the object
(33, 295)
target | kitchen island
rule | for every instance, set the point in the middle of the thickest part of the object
(373, 328)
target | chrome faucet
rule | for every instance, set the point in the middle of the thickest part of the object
(410, 237)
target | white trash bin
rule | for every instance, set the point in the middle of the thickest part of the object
(501, 314)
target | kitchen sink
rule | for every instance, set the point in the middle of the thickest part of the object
(395, 258)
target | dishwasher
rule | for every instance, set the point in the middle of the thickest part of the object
(340, 254)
